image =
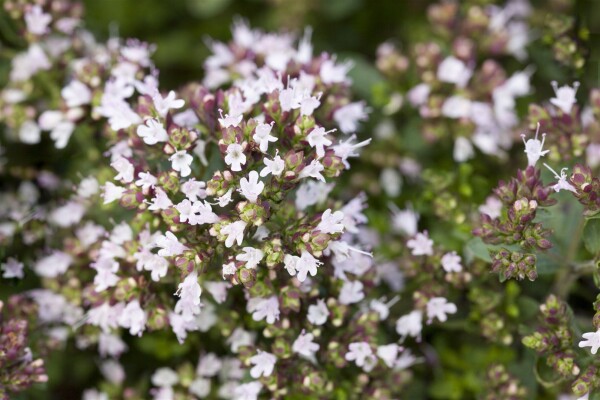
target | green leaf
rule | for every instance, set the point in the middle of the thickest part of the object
(591, 236)
(475, 248)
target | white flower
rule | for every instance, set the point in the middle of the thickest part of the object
(225, 199)
(169, 245)
(564, 96)
(330, 222)
(332, 73)
(534, 148)
(194, 189)
(200, 387)
(110, 345)
(305, 345)
(234, 232)
(152, 132)
(134, 318)
(421, 245)
(247, 391)
(251, 188)
(274, 167)
(124, 168)
(106, 277)
(456, 107)
(112, 192)
(306, 264)
(229, 269)
(165, 377)
(438, 307)
(262, 136)
(592, 339)
(351, 292)
(251, 256)
(359, 352)
(410, 325)
(348, 116)
(12, 269)
(463, 149)
(146, 180)
(318, 314)
(562, 180)
(62, 133)
(189, 292)
(113, 372)
(418, 95)
(240, 338)
(181, 162)
(227, 120)
(37, 21)
(345, 149)
(76, 94)
(160, 201)
(453, 70)
(317, 138)
(235, 156)
(209, 365)
(451, 262)
(389, 353)
(53, 265)
(308, 104)
(88, 187)
(263, 364)
(89, 234)
(404, 221)
(163, 105)
(30, 132)
(492, 207)
(313, 170)
(218, 290)
(266, 309)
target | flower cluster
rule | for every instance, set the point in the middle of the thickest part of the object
(18, 368)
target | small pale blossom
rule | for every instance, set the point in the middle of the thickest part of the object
(164, 104)
(37, 20)
(359, 352)
(317, 138)
(251, 188)
(124, 168)
(331, 222)
(262, 136)
(235, 156)
(12, 268)
(305, 345)
(564, 96)
(592, 339)
(439, 307)
(562, 180)
(267, 309)
(351, 292)
(134, 318)
(492, 207)
(251, 256)
(410, 325)
(181, 161)
(274, 167)
(169, 245)
(421, 245)
(451, 262)
(453, 70)
(152, 132)
(263, 364)
(234, 232)
(534, 148)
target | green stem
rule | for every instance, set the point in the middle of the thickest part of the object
(568, 274)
